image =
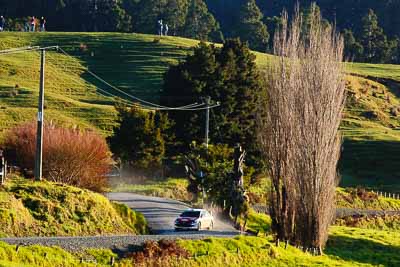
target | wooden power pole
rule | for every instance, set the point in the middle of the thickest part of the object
(39, 136)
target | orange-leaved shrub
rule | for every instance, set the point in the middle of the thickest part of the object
(74, 157)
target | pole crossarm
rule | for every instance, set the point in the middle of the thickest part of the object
(27, 49)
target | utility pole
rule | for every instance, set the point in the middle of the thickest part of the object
(39, 136)
(208, 101)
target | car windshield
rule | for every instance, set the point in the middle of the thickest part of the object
(191, 214)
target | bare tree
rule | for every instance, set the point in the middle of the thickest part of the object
(300, 135)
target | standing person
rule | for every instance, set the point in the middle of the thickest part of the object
(33, 24)
(166, 29)
(160, 27)
(26, 26)
(2, 23)
(42, 24)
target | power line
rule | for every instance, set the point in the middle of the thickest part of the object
(148, 105)
(191, 107)
(143, 103)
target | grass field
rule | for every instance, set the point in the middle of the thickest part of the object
(385, 71)
(135, 63)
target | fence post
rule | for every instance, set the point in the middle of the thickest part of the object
(2, 168)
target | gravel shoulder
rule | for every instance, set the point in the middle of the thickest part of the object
(118, 244)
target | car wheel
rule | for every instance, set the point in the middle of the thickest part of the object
(211, 225)
(199, 227)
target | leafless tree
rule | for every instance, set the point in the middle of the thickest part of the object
(300, 134)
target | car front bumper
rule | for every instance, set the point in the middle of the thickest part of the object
(186, 226)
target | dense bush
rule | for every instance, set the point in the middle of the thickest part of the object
(216, 163)
(155, 253)
(138, 139)
(70, 156)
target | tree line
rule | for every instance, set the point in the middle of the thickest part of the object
(188, 18)
(371, 29)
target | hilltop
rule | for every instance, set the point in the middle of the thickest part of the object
(136, 63)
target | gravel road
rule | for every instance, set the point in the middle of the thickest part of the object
(161, 213)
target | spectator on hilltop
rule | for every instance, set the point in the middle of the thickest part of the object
(42, 24)
(33, 24)
(2, 23)
(166, 30)
(160, 27)
(26, 26)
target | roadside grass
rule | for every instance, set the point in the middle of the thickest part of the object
(346, 247)
(47, 209)
(381, 222)
(40, 256)
(173, 188)
(348, 198)
(258, 222)
(37, 256)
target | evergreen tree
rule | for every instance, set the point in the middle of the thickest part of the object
(146, 14)
(229, 75)
(200, 24)
(377, 49)
(353, 49)
(174, 14)
(138, 139)
(108, 15)
(251, 27)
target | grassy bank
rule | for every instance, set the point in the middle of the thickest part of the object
(361, 199)
(346, 247)
(46, 209)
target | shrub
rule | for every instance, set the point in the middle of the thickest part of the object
(134, 220)
(70, 156)
(138, 139)
(155, 252)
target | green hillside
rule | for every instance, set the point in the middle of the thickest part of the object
(136, 63)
